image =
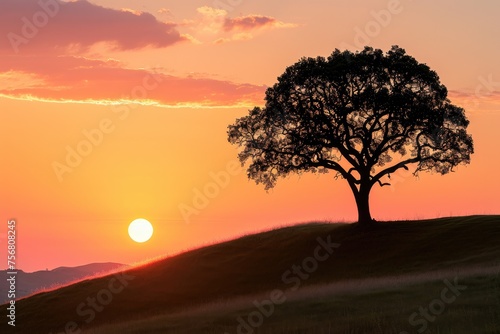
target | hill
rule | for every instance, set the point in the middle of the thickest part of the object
(304, 255)
(29, 283)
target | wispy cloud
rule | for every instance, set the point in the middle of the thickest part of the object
(165, 11)
(79, 79)
(253, 22)
(217, 22)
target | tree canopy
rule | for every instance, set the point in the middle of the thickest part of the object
(362, 115)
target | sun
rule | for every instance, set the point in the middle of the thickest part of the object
(140, 230)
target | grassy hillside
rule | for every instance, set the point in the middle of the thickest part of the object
(382, 306)
(256, 264)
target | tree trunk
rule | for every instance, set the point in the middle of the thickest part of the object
(363, 203)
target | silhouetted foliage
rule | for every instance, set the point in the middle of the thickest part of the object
(364, 115)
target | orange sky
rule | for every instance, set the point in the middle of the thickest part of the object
(145, 93)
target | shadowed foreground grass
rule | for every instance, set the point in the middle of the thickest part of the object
(256, 264)
(384, 306)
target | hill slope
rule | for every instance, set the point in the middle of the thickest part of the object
(258, 263)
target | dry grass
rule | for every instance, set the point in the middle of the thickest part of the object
(364, 306)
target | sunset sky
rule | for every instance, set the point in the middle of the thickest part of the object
(114, 110)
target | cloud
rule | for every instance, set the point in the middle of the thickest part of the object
(252, 22)
(165, 11)
(212, 19)
(51, 25)
(211, 12)
(217, 21)
(79, 79)
(54, 63)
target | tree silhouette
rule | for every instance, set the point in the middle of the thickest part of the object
(363, 115)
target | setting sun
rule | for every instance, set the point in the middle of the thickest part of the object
(140, 230)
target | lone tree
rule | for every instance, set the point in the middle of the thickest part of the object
(363, 115)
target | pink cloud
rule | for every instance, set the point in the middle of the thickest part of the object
(51, 64)
(216, 21)
(69, 78)
(251, 22)
(52, 25)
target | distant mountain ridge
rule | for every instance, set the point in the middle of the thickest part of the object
(28, 283)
